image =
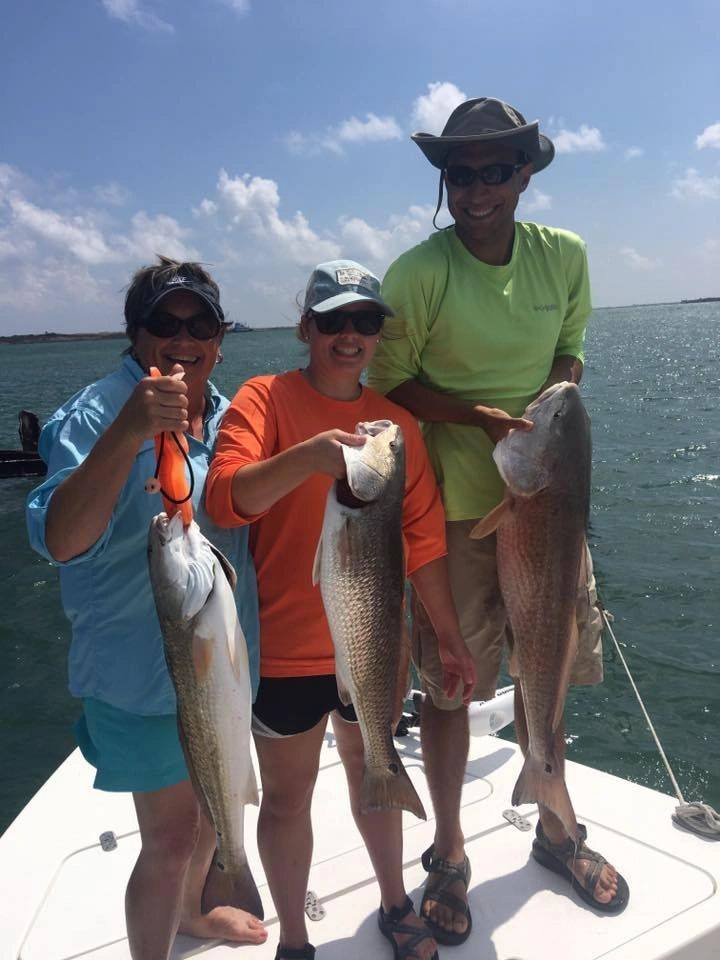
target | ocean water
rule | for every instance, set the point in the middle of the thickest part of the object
(652, 388)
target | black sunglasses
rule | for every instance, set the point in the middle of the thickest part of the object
(367, 323)
(492, 175)
(202, 326)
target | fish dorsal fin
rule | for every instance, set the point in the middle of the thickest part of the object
(227, 568)
(564, 678)
(317, 562)
(234, 640)
(342, 684)
(202, 655)
(492, 520)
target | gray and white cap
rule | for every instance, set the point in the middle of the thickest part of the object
(339, 282)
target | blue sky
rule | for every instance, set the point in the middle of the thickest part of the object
(262, 136)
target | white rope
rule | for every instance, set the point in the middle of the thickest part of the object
(697, 817)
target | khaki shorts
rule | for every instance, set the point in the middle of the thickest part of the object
(483, 621)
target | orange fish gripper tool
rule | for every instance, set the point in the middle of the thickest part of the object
(171, 456)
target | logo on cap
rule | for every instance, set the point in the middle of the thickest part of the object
(351, 275)
(179, 279)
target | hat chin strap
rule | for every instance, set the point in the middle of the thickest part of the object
(440, 200)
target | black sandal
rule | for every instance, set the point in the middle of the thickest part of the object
(554, 856)
(295, 953)
(390, 924)
(449, 872)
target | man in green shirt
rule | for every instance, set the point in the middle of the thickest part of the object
(488, 312)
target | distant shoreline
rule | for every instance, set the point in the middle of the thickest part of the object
(60, 337)
(49, 337)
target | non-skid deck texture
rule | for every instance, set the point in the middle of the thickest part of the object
(520, 910)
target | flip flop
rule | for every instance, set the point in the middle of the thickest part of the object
(449, 873)
(554, 856)
(391, 923)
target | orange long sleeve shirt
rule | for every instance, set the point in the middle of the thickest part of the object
(268, 415)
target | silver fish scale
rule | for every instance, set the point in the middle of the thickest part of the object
(199, 707)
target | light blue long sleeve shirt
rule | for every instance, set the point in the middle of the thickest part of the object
(116, 653)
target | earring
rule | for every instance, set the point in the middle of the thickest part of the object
(220, 357)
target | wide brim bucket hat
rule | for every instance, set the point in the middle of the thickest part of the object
(487, 120)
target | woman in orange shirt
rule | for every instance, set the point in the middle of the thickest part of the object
(277, 454)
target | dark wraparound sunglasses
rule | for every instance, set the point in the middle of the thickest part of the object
(202, 326)
(492, 175)
(368, 323)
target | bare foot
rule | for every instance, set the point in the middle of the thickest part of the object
(225, 923)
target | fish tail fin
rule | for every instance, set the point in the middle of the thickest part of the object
(389, 789)
(543, 783)
(231, 887)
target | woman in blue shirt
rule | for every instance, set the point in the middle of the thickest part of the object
(91, 518)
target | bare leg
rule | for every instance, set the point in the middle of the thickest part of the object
(381, 831)
(445, 743)
(229, 922)
(288, 769)
(555, 832)
(169, 828)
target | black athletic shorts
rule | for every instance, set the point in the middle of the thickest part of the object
(285, 706)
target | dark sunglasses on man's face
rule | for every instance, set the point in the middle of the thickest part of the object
(202, 326)
(367, 323)
(492, 175)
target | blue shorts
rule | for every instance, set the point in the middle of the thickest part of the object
(131, 753)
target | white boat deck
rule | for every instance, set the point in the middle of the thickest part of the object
(63, 895)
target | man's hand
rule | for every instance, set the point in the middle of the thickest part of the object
(458, 669)
(325, 450)
(498, 424)
(157, 404)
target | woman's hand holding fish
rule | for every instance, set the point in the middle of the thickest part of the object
(497, 423)
(326, 451)
(157, 404)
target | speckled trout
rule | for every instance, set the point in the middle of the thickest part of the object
(361, 571)
(207, 658)
(541, 526)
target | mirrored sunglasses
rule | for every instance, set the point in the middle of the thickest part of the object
(367, 323)
(202, 326)
(492, 175)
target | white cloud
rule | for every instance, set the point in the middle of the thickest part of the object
(133, 12)
(206, 208)
(112, 193)
(586, 139)
(373, 128)
(692, 185)
(432, 109)
(538, 201)
(632, 153)
(77, 233)
(710, 137)
(239, 6)
(256, 201)
(379, 246)
(636, 261)
(156, 235)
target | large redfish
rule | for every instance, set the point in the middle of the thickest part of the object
(360, 568)
(541, 527)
